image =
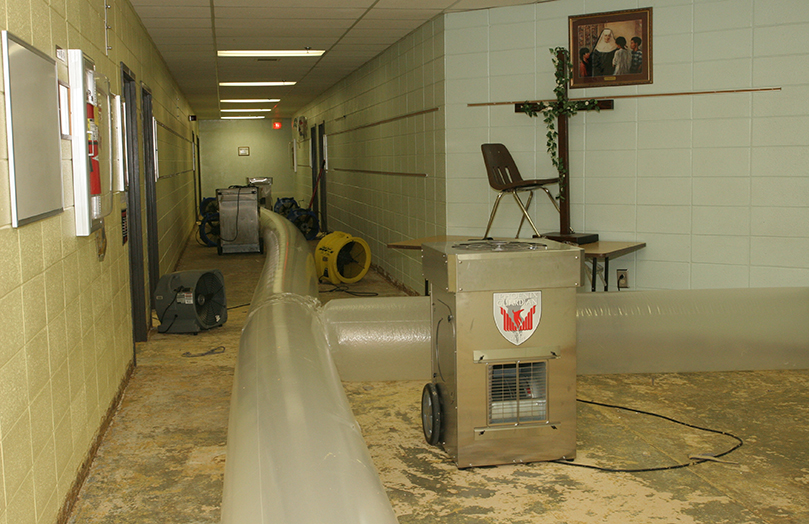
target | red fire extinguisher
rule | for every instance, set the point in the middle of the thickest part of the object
(93, 151)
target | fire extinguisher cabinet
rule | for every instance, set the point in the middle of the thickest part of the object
(504, 350)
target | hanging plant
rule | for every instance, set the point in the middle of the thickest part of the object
(562, 106)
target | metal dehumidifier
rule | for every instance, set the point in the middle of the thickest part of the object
(239, 227)
(503, 350)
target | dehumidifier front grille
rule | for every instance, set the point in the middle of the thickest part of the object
(518, 393)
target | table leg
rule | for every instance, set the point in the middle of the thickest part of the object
(606, 272)
(595, 275)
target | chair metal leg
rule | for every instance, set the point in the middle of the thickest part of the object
(555, 203)
(527, 207)
(491, 217)
(526, 215)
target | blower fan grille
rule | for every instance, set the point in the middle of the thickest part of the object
(341, 258)
(190, 301)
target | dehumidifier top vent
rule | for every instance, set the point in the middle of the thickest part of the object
(190, 301)
(500, 245)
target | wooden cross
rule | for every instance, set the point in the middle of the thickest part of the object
(565, 233)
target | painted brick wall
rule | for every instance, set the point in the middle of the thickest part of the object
(716, 185)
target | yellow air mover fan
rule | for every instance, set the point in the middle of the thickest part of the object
(342, 258)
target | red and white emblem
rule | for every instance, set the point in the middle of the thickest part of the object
(517, 314)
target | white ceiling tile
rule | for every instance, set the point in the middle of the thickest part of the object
(275, 13)
(402, 14)
(414, 4)
(178, 31)
(137, 4)
(181, 23)
(274, 32)
(275, 42)
(295, 3)
(266, 25)
(150, 11)
(202, 39)
(385, 24)
(352, 31)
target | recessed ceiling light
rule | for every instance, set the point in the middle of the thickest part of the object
(276, 53)
(249, 100)
(255, 84)
(245, 110)
(241, 117)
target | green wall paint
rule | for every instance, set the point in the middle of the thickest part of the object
(270, 154)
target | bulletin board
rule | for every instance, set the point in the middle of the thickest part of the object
(33, 132)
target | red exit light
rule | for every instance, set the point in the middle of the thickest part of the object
(276, 124)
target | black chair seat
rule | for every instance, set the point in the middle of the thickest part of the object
(529, 185)
(504, 177)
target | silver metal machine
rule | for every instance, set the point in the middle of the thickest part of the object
(264, 185)
(503, 350)
(238, 220)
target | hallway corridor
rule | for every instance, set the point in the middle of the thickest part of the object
(162, 459)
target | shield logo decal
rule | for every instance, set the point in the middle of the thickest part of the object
(517, 315)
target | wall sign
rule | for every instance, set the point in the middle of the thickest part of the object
(33, 132)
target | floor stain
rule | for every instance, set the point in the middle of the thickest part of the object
(162, 461)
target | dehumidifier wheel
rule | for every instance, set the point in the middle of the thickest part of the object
(431, 413)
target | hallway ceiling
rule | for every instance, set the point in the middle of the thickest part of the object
(188, 33)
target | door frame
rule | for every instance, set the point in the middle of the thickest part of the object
(141, 320)
(150, 183)
(317, 154)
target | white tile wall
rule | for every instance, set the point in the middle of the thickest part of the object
(717, 185)
(407, 78)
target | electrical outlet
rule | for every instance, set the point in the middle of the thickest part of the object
(623, 278)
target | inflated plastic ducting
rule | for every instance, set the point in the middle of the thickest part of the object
(626, 332)
(342, 258)
(295, 453)
(379, 338)
(693, 330)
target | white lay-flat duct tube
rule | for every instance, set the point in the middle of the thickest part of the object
(295, 452)
(380, 338)
(693, 330)
(620, 332)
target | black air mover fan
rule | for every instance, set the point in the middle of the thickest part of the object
(190, 301)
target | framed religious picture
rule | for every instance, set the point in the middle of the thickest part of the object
(611, 49)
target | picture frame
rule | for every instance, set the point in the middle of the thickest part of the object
(596, 39)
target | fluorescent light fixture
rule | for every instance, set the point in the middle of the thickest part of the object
(255, 84)
(245, 110)
(249, 100)
(242, 117)
(268, 53)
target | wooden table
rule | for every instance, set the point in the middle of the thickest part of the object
(601, 250)
(605, 249)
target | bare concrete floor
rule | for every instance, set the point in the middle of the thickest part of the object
(162, 460)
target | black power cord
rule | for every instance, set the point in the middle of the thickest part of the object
(347, 290)
(696, 459)
(218, 350)
(238, 210)
(239, 306)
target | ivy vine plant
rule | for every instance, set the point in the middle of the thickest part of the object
(562, 106)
